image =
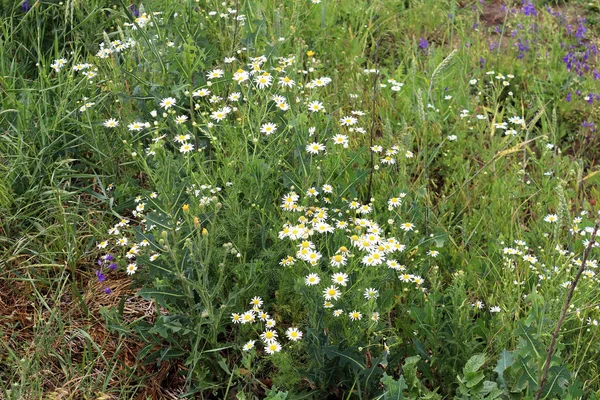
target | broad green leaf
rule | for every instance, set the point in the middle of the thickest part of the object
(474, 364)
(505, 361)
(394, 388)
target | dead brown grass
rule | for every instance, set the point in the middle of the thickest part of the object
(21, 316)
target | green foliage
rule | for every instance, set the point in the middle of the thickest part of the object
(472, 385)
(475, 216)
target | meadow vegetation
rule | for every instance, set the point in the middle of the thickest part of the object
(297, 199)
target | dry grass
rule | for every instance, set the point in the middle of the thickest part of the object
(80, 339)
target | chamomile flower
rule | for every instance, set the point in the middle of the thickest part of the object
(551, 218)
(201, 92)
(315, 106)
(315, 148)
(215, 74)
(355, 315)
(256, 301)
(249, 345)
(273, 347)
(479, 304)
(236, 318)
(268, 128)
(182, 138)
(180, 119)
(348, 121)
(263, 81)
(219, 115)
(293, 334)
(312, 192)
(235, 96)
(340, 278)
(370, 293)
(286, 82)
(394, 202)
(131, 268)
(312, 279)
(332, 292)
(283, 106)
(270, 323)
(136, 126)
(248, 317)
(168, 102)
(57, 65)
(269, 336)
(338, 260)
(111, 123)
(340, 139)
(186, 148)
(407, 226)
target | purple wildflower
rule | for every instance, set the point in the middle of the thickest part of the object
(113, 266)
(101, 277)
(568, 98)
(587, 124)
(528, 8)
(134, 10)
(107, 290)
(581, 30)
(423, 43)
(523, 47)
(25, 6)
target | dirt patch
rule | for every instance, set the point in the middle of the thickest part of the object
(494, 13)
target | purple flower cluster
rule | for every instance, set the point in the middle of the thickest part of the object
(522, 47)
(106, 261)
(579, 59)
(588, 97)
(134, 10)
(590, 125)
(528, 8)
(423, 44)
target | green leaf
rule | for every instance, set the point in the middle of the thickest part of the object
(165, 297)
(409, 369)
(528, 343)
(473, 379)
(528, 375)
(347, 357)
(505, 361)
(274, 394)
(394, 388)
(558, 378)
(474, 364)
